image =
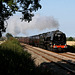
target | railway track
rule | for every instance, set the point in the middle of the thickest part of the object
(57, 58)
(70, 55)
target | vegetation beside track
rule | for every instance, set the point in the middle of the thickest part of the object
(73, 46)
(14, 60)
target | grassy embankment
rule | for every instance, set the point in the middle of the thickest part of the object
(14, 60)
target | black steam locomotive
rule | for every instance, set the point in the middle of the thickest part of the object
(55, 40)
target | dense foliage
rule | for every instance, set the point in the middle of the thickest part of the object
(8, 35)
(10, 7)
(70, 39)
(14, 60)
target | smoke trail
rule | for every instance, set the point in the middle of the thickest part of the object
(38, 24)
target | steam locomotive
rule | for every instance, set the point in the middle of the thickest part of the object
(54, 40)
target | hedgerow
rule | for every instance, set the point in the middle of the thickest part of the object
(14, 60)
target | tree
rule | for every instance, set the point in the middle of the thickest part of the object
(10, 7)
(8, 35)
(70, 39)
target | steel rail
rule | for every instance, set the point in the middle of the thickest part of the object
(56, 57)
(72, 71)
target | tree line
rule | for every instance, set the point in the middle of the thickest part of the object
(70, 39)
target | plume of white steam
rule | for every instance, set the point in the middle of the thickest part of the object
(38, 24)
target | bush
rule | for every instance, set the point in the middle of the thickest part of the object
(70, 39)
(74, 46)
(14, 60)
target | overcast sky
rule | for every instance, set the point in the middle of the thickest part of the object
(54, 14)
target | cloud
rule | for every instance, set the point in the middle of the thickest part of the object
(37, 25)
